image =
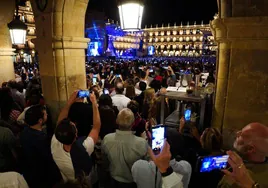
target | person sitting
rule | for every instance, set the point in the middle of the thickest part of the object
(39, 169)
(72, 155)
(120, 100)
(139, 124)
(123, 149)
(252, 145)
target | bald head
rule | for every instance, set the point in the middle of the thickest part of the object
(252, 140)
(255, 131)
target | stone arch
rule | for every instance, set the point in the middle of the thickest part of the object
(61, 48)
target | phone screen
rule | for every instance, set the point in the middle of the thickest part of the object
(158, 138)
(94, 81)
(151, 70)
(106, 91)
(187, 114)
(83, 93)
(118, 76)
(95, 76)
(207, 164)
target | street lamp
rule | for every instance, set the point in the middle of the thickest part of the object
(17, 28)
(130, 12)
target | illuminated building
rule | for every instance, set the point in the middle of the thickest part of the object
(183, 41)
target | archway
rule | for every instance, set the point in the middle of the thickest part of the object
(61, 46)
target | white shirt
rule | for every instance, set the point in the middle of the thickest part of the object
(63, 158)
(12, 180)
(120, 101)
(138, 84)
(137, 91)
(21, 118)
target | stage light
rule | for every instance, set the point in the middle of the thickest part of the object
(130, 12)
(17, 29)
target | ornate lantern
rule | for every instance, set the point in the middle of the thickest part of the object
(130, 12)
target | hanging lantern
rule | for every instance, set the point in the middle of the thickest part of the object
(130, 12)
(17, 29)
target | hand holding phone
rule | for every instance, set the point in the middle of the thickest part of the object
(163, 159)
(83, 94)
(158, 137)
(210, 163)
(106, 91)
(187, 114)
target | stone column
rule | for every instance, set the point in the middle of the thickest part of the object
(6, 52)
(66, 73)
(61, 48)
(242, 81)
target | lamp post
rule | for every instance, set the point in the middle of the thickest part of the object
(130, 12)
(17, 28)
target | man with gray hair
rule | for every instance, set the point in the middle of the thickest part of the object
(252, 145)
(123, 149)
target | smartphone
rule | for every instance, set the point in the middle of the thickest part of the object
(95, 76)
(151, 70)
(210, 163)
(166, 68)
(158, 137)
(83, 94)
(118, 76)
(187, 114)
(94, 81)
(106, 91)
(112, 72)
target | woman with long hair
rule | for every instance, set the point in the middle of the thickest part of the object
(149, 106)
(130, 92)
(108, 114)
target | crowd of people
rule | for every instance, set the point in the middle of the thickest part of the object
(104, 139)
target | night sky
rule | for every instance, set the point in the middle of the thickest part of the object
(164, 11)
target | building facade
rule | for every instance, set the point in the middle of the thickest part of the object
(181, 41)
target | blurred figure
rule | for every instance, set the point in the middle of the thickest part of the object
(130, 92)
(9, 110)
(140, 98)
(12, 180)
(149, 106)
(108, 114)
(16, 95)
(139, 124)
